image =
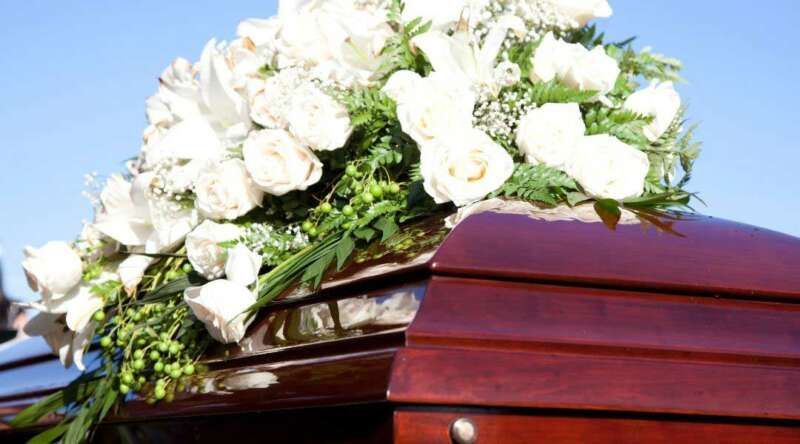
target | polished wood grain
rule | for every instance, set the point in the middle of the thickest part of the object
(480, 377)
(508, 315)
(633, 331)
(339, 380)
(428, 427)
(707, 256)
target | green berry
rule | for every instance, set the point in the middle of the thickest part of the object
(105, 342)
(154, 355)
(176, 373)
(326, 207)
(99, 316)
(189, 370)
(141, 380)
(171, 275)
(394, 188)
(368, 198)
(347, 225)
(163, 347)
(138, 354)
(167, 368)
(174, 348)
(351, 170)
(127, 378)
(376, 191)
(348, 210)
(141, 342)
(160, 393)
(158, 367)
(313, 232)
(137, 317)
(307, 226)
(138, 364)
(124, 389)
(187, 267)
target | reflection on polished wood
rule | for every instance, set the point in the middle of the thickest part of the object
(681, 330)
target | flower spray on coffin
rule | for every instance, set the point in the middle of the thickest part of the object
(314, 134)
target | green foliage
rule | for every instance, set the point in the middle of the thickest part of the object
(538, 183)
(398, 53)
(676, 147)
(623, 124)
(587, 36)
(555, 91)
(522, 55)
(646, 64)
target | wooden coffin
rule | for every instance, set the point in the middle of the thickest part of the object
(517, 329)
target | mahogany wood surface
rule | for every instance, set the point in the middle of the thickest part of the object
(425, 427)
(593, 383)
(702, 255)
(510, 344)
(517, 314)
(507, 315)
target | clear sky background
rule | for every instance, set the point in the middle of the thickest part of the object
(74, 75)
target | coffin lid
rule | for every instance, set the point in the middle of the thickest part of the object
(676, 254)
(667, 253)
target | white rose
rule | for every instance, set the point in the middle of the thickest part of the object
(317, 120)
(203, 250)
(308, 35)
(243, 265)
(225, 190)
(270, 105)
(549, 134)
(465, 167)
(278, 163)
(608, 168)
(583, 11)
(659, 100)
(594, 71)
(53, 270)
(554, 58)
(431, 107)
(337, 40)
(178, 96)
(220, 306)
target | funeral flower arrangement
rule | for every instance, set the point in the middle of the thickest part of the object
(279, 154)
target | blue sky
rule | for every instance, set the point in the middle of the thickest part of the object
(75, 75)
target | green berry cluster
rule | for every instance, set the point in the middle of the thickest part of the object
(355, 195)
(152, 364)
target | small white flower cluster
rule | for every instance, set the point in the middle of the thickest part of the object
(499, 116)
(274, 243)
(541, 16)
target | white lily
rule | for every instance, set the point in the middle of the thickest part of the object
(68, 345)
(142, 223)
(225, 106)
(460, 57)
